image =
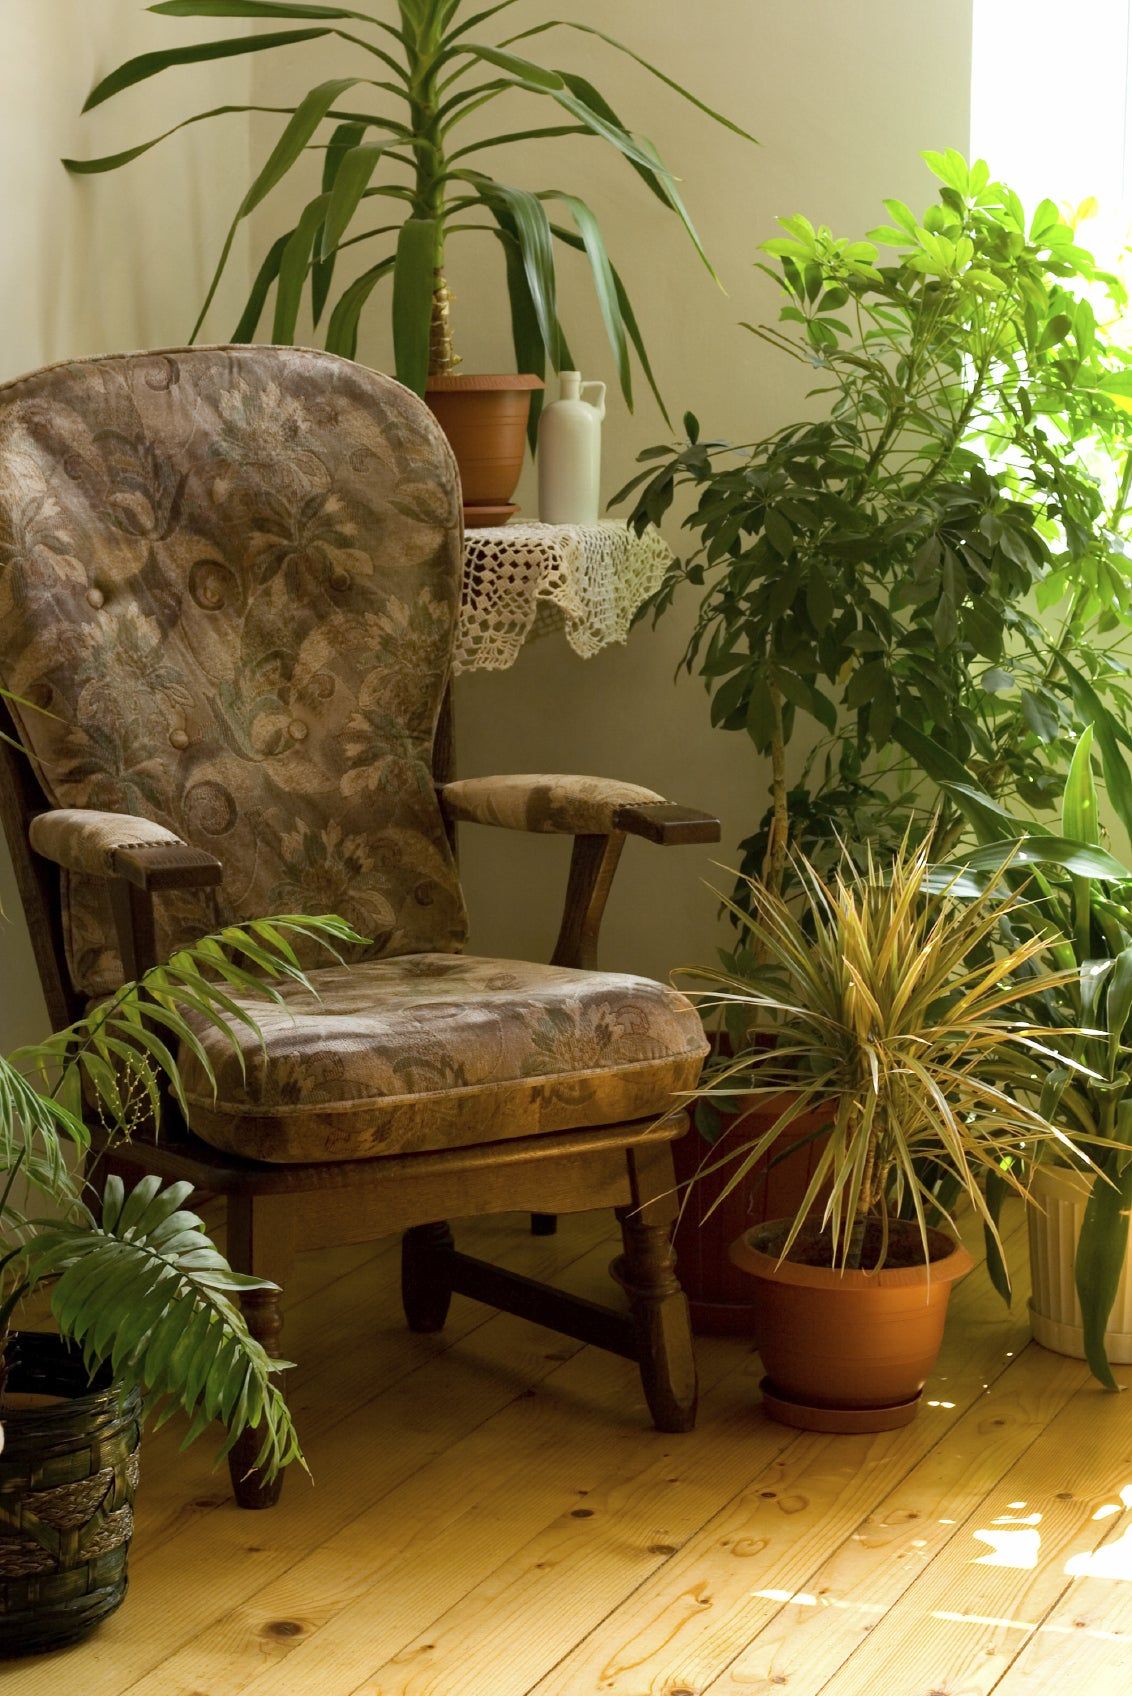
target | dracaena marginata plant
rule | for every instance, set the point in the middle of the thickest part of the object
(1078, 902)
(403, 161)
(133, 1277)
(899, 1014)
(931, 568)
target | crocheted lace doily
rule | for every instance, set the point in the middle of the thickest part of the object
(522, 580)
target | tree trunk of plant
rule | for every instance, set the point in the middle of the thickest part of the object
(442, 356)
(778, 839)
(865, 1204)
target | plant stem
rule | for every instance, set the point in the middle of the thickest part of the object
(774, 865)
(856, 1245)
(442, 356)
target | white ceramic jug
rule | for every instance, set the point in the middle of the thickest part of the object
(569, 454)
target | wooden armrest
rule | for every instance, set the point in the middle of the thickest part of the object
(168, 866)
(574, 806)
(118, 845)
(138, 858)
(666, 823)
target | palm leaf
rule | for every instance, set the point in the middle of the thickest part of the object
(142, 1288)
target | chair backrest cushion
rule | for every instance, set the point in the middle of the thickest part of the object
(231, 576)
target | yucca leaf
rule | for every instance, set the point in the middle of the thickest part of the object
(344, 139)
(532, 231)
(414, 280)
(536, 80)
(342, 331)
(147, 65)
(307, 116)
(114, 161)
(349, 181)
(255, 9)
(605, 286)
(645, 64)
(245, 330)
(629, 319)
(656, 177)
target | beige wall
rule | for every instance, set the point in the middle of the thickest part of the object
(104, 263)
(842, 98)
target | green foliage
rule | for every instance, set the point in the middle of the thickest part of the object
(134, 1278)
(419, 76)
(140, 1285)
(893, 1013)
(933, 571)
(1078, 904)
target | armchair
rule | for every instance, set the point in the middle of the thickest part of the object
(232, 584)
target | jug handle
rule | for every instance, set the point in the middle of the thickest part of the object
(599, 404)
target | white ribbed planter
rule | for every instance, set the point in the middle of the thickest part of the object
(1054, 1222)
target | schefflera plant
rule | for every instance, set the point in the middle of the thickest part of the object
(932, 567)
(394, 127)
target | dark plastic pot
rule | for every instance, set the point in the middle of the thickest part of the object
(68, 1472)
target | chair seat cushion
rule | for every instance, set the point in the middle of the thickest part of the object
(432, 1051)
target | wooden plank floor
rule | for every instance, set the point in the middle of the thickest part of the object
(491, 1515)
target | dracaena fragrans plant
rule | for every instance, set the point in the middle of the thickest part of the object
(900, 1014)
(133, 1277)
(932, 568)
(404, 171)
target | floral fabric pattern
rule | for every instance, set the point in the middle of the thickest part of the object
(437, 1050)
(583, 806)
(232, 576)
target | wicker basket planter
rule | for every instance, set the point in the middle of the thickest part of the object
(68, 1472)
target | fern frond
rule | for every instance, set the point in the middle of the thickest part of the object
(142, 1287)
(122, 1055)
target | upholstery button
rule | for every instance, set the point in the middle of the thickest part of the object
(297, 730)
(179, 739)
(95, 598)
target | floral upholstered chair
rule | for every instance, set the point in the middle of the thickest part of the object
(231, 576)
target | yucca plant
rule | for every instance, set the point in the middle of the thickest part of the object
(899, 1012)
(133, 1277)
(391, 128)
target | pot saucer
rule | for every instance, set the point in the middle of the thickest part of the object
(805, 1416)
(480, 517)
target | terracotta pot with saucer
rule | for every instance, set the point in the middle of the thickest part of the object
(485, 420)
(848, 1350)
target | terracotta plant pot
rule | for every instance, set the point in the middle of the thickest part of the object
(848, 1351)
(719, 1294)
(485, 420)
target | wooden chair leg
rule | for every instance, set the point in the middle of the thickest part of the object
(264, 1314)
(259, 1243)
(425, 1288)
(647, 1272)
(544, 1224)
